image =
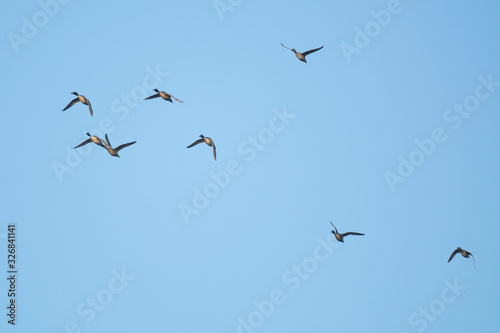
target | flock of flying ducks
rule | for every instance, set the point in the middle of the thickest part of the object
(168, 97)
(107, 145)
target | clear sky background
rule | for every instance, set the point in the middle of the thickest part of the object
(215, 261)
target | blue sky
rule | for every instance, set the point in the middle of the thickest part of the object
(397, 139)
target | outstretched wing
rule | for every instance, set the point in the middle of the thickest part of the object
(153, 96)
(472, 259)
(83, 143)
(71, 103)
(178, 100)
(311, 51)
(120, 147)
(352, 233)
(195, 143)
(213, 146)
(107, 140)
(90, 109)
(334, 227)
(286, 47)
(453, 254)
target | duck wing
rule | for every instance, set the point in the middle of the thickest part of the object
(83, 143)
(334, 227)
(120, 147)
(153, 96)
(472, 258)
(107, 141)
(178, 100)
(76, 100)
(311, 51)
(90, 109)
(352, 233)
(453, 254)
(195, 143)
(286, 47)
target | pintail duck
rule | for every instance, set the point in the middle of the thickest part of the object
(340, 237)
(95, 139)
(464, 254)
(80, 98)
(302, 56)
(207, 140)
(163, 95)
(114, 151)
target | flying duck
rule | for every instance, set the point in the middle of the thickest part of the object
(95, 139)
(464, 254)
(340, 237)
(80, 98)
(114, 151)
(207, 140)
(163, 95)
(302, 56)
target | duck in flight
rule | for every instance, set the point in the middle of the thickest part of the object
(163, 95)
(95, 139)
(340, 237)
(208, 141)
(302, 56)
(464, 254)
(80, 98)
(114, 151)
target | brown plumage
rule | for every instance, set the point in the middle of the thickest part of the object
(302, 56)
(464, 254)
(340, 237)
(163, 95)
(114, 151)
(95, 139)
(80, 98)
(208, 141)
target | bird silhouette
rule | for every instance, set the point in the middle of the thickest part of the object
(163, 95)
(208, 141)
(95, 139)
(302, 56)
(340, 237)
(464, 254)
(114, 151)
(80, 98)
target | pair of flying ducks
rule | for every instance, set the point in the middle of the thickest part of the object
(105, 144)
(340, 238)
(84, 100)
